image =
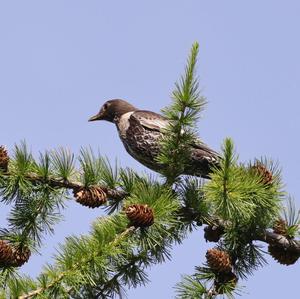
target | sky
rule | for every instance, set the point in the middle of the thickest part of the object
(60, 60)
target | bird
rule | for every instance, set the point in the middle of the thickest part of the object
(141, 131)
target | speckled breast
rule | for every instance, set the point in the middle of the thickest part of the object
(141, 143)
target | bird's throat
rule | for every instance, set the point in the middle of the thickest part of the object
(123, 124)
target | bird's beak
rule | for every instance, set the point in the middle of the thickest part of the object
(98, 116)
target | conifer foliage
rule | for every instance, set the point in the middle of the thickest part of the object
(241, 205)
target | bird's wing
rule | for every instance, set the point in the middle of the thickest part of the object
(156, 122)
(150, 120)
(208, 153)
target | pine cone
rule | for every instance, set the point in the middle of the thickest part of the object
(92, 197)
(6, 253)
(213, 233)
(224, 278)
(263, 172)
(283, 255)
(11, 256)
(280, 227)
(21, 256)
(218, 260)
(4, 158)
(140, 215)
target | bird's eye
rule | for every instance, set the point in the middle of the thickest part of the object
(105, 106)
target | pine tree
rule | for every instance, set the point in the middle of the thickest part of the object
(241, 206)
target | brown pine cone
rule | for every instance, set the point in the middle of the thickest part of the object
(4, 159)
(213, 233)
(140, 215)
(218, 260)
(11, 256)
(92, 197)
(280, 227)
(265, 174)
(21, 256)
(6, 253)
(283, 255)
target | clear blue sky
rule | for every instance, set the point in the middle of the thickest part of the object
(60, 60)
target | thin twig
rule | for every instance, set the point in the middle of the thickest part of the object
(113, 194)
(279, 240)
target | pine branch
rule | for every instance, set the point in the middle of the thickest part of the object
(139, 258)
(264, 235)
(279, 240)
(113, 194)
(38, 189)
(100, 260)
(39, 291)
(183, 114)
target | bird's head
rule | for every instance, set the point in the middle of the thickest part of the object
(113, 110)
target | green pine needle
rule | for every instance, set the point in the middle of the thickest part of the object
(109, 174)
(91, 167)
(190, 288)
(237, 194)
(43, 168)
(292, 217)
(17, 184)
(63, 163)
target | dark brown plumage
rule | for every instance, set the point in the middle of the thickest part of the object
(141, 131)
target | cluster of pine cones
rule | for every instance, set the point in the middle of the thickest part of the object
(139, 215)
